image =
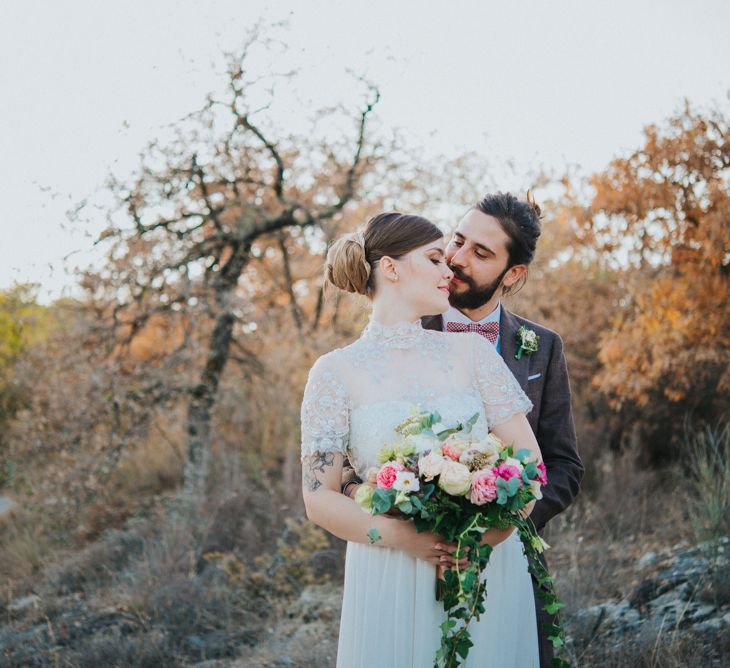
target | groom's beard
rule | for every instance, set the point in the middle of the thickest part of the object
(476, 295)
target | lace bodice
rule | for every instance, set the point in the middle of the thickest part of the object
(356, 395)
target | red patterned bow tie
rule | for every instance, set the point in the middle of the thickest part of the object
(489, 329)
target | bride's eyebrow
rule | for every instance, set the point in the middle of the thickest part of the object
(440, 251)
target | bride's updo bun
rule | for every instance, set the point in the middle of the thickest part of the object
(347, 267)
(350, 259)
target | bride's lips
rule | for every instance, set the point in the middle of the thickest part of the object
(444, 288)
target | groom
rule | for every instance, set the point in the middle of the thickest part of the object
(490, 253)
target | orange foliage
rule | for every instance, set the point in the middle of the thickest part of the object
(664, 212)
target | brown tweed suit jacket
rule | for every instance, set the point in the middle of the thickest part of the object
(543, 376)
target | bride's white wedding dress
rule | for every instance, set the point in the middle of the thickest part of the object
(354, 398)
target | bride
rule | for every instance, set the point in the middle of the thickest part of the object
(353, 399)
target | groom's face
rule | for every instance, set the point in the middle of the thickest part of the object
(478, 256)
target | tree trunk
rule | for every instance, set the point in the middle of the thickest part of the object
(204, 395)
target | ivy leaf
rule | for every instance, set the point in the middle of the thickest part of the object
(552, 608)
(448, 625)
(463, 645)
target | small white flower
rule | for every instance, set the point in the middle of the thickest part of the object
(406, 481)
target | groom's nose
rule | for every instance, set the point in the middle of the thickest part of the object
(456, 258)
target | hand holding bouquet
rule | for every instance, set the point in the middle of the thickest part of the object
(448, 482)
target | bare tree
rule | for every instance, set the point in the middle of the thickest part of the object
(198, 208)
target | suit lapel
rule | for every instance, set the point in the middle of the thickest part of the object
(435, 322)
(508, 327)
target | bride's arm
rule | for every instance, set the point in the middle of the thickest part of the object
(329, 509)
(339, 515)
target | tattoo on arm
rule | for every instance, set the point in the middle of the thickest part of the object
(316, 464)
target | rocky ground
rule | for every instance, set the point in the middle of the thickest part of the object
(683, 597)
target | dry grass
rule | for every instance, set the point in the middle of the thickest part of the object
(176, 586)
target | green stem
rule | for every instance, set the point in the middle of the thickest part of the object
(471, 526)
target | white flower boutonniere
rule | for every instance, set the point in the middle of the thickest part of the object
(526, 342)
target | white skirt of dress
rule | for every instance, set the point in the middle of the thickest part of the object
(391, 619)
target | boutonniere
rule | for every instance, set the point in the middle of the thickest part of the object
(526, 342)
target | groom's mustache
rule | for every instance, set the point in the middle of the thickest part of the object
(461, 276)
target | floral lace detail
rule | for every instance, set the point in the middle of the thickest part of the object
(390, 368)
(373, 349)
(501, 393)
(325, 413)
(400, 335)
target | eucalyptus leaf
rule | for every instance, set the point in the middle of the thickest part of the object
(523, 453)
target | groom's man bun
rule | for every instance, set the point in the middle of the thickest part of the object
(520, 220)
(351, 258)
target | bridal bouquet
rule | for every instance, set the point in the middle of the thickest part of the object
(458, 486)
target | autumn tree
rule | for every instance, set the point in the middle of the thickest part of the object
(661, 217)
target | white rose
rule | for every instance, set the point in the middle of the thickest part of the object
(536, 488)
(406, 481)
(455, 478)
(430, 466)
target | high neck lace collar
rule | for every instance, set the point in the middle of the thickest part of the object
(401, 335)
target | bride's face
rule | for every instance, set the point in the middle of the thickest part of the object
(423, 278)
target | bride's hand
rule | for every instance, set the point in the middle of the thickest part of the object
(426, 545)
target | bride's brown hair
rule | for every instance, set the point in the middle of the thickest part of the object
(351, 258)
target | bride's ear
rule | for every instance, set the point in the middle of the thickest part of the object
(388, 269)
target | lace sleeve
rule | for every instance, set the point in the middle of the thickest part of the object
(325, 412)
(501, 393)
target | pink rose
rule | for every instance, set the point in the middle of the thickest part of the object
(483, 487)
(543, 473)
(507, 471)
(386, 475)
(451, 451)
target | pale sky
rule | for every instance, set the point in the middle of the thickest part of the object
(85, 85)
